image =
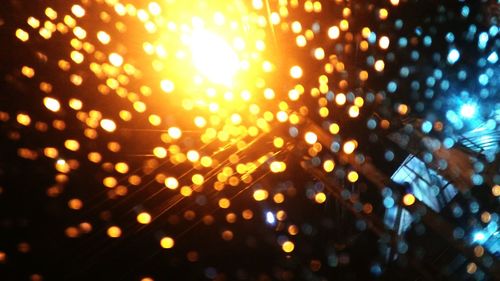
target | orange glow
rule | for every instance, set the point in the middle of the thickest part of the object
(288, 247)
(352, 176)
(114, 232)
(202, 82)
(224, 203)
(260, 194)
(409, 199)
(320, 197)
(144, 218)
(167, 242)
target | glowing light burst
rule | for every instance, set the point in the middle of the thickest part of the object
(214, 57)
(468, 110)
(207, 85)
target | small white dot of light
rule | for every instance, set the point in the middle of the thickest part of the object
(270, 219)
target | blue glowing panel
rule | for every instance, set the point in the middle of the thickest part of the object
(489, 238)
(397, 219)
(492, 245)
(424, 183)
(485, 138)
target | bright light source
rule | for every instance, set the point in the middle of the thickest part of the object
(349, 147)
(384, 42)
(52, 104)
(479, 237)
(311, 137)
(468, 110)
(409, 199)
(288, 247)
(213, 57)
(115, 59)
(296, 72)
(108, 125)
(260, 195)
(270, 219)
(167, 242)
(144, 218)
(453, 56)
